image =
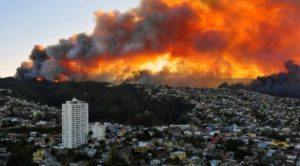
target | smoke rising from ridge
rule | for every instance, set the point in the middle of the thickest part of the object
(284, 84)
(280, 84)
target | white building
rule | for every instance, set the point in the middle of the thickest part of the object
(98, 131)
(75, 125)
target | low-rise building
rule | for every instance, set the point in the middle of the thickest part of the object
(98, 131)
(38, 155)
(178, 154)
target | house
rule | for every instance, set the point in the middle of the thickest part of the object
(180, 126)
(215, 162)
(35, 113)
(251, 135)
(195, 160)
(142, 147)
(297, 146)
(33, 134)
(233, 128)
(262, 145)
(270, 152)
(39, 141)
(280, 143)
(291, 158)
(38, 155)
(187, 133)
(91, 152)
(216, 140)
(98, 131)
(41, 123)
(155, 162)
(3, 150)
(178, 154)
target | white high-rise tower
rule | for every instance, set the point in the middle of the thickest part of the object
(75, 124)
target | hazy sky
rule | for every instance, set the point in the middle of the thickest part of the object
(25, 23)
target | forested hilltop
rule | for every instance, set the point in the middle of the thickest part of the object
(146, 104)
(122, 103)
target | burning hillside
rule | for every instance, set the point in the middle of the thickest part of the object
(176, 42)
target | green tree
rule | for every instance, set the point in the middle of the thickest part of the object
(21, 154)
(90, 136)
(115, 157)
(47, 140)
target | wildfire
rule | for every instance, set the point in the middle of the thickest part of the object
(39, 79)
(178, 42)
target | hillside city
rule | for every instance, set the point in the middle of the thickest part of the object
(224, 127)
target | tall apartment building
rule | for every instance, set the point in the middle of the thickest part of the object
(75, 124)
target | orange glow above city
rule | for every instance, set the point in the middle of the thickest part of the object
(181, 43)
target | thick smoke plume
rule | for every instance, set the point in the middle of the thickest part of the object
(281, 84)
(176, 42)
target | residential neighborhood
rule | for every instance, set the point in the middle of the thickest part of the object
(225, 127)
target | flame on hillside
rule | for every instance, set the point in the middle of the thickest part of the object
(176, 42)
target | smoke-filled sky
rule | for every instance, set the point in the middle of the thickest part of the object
(25, 23)
(176, 42)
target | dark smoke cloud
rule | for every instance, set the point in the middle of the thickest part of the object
(115, 34)
(236, 38)
(60, 50)
(281, 84)
(82, 48)
(25, 71)
(51, 70)
(159, 29)
(287, 84)
(38, 56)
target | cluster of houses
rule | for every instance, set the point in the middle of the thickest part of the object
(187, 145)
(17, 112)
(225, 127)
(224, 106)
(18, 116)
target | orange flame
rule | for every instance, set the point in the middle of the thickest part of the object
(39, 79)
(199, 43)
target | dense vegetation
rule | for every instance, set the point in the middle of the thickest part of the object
(55, 130)
(21, 153)
(122, 103)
